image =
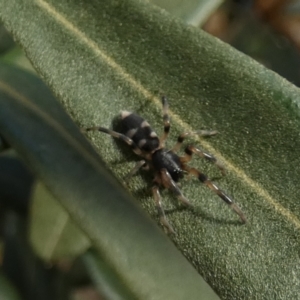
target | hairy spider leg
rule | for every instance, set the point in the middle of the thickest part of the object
(135, 169)
(164, 178)
(161, 213)
(119, 136)
(203, 178)
(182, 137)
(190, 150)
(166, 120)
(170, 184)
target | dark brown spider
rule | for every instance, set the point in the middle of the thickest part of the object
(168, 167)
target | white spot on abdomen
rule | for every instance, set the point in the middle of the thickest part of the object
(130, 133)
(145, 124)
(142, 143)
(125, 113)
(153, 134)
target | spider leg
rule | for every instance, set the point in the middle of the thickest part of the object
(170, 184)
(203, 178)
(166, 120)
(190, 150)
(135, 169)
(160, 210)
(119, 136)
(182, 137)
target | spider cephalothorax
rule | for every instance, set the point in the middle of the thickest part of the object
(168, 167)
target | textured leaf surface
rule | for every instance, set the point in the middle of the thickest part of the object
(101, 57)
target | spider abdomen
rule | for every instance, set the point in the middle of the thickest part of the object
(139, 130)
(163, 159)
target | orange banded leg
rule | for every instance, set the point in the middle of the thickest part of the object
(166, 120)
(119, 136)
(190, 150)
(160, 210)
(170, 184)
(203, 178)
(182, 137)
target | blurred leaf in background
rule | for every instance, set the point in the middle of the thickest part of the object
(6, 40)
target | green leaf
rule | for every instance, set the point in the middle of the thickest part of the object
(104, 277)
(101, 57)
(53, 234)
(193, 12)
(17, 57)
(143, 259)
(7, 291)
(6, 40)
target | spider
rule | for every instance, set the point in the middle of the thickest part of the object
(168, 167)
